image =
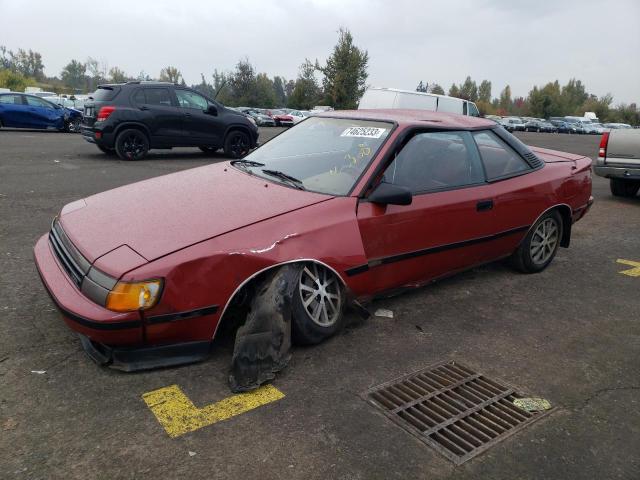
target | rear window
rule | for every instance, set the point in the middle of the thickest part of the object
(499, 160)
(105, 94)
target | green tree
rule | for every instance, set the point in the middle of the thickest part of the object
(437, 89)
(265, 95)
(170, 74)
(306, 92)
(422, 87)
(345, 73)
(505, 103)
(117, 76)
(469, 90)
(14, 81)
(288, 88)
(73, 74)
(573, 94)
(28, 63)
(484, 91)
(600, 106)
(279, 92)
(243, 83)
(454, 91)
(546, 102)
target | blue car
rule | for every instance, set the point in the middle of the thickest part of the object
(20, 110)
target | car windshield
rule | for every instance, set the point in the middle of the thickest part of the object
(327, 155)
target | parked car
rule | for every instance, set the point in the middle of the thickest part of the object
(131, 118)
(593, 128)
(282, 118)
(375, 98)
(21, 110)
(512, 124)
(298, 115)
(617, 126)
(563, 127)
(549, 127)
(350, 204)
(619, 161)
(67, 102)
(261, 119)
(534, 126)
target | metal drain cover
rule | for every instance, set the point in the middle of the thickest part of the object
(453, 409)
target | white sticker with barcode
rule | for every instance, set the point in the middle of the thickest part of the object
(363, 132)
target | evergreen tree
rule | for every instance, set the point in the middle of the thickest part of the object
(345, 73)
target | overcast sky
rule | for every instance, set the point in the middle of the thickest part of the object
(520, 43)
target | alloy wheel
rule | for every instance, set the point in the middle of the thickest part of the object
(239, 145)
(321, 295)
(133, 146)
(544, 241)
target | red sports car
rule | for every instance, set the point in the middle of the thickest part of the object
(360, 203)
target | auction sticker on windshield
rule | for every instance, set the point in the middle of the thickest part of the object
(363, 132)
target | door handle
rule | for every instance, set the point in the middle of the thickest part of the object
(484, 205)
(144, 108)
(187, 114)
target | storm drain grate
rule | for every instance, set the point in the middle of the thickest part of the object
(455, 410)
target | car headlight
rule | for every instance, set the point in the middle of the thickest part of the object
(129, 297)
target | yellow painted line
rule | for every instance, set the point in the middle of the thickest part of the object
(632, 272)
(178, 415)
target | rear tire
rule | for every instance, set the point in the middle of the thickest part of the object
(539, 247)
(236, 144)
(317, 305)
(132, 144)
(624, 188)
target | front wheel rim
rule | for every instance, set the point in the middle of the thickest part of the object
(320, 294)
(544, 241)
(239, 145)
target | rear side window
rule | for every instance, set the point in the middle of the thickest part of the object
(11, 99)
(105, 94)
(498, 158)
(158, 96)
(436, 161)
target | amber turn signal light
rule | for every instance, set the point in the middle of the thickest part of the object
(129, 297)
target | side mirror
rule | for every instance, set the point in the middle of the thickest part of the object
(390, 194)
(212, 110)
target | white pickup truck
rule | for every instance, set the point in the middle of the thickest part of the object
(619, 161)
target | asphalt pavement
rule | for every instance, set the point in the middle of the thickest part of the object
(570, 334)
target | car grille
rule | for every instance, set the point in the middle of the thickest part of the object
(70, 258)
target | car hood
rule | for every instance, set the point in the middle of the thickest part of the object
(158, 216)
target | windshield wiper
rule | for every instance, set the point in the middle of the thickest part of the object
(247, 163)
(297, 183)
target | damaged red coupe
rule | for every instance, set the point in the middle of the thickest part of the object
(359, 203)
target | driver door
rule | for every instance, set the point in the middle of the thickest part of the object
(442, 231)
(203, 127)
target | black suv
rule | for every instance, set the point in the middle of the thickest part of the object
(131, 118)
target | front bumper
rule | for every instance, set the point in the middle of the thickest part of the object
(79, 313)
(629, 173)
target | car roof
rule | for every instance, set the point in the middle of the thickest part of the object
(414, 118)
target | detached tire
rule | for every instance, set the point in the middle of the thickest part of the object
(624, 188)
(132, 144)
(539, 247)
(236, 144)
(317, 305)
